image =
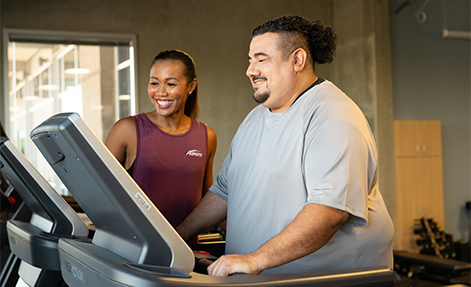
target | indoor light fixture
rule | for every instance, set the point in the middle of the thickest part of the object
(124, 97)
(76, 71)
(48, 87)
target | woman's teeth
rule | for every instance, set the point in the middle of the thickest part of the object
(163, 103)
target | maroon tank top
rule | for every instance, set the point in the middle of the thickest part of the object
(170, 168)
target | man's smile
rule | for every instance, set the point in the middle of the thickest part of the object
(257, 81)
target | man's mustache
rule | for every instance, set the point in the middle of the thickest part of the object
(258, 78)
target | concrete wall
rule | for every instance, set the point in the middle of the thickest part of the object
(432, 81)
(363, 70)
(215, 33)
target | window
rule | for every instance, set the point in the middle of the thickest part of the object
(50, 73)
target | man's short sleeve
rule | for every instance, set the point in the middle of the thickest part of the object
(336, 168)
(219, 186)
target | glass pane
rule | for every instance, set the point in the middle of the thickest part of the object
(124, 92)
(123, 54)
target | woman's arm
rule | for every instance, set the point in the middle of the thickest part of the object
(122, 141)
(212, 144)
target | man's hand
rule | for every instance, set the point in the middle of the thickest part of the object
(231, 264)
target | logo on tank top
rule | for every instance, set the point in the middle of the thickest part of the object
(194, 152)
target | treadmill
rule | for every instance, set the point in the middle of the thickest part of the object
(12, 207)
(36, 242)
(133, 244)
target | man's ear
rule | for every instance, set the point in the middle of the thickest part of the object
(299, 59)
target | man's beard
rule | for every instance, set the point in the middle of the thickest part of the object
(261, 97)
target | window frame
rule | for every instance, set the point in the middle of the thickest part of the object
(62, 37)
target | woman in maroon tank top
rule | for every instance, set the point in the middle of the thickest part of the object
(167, 152)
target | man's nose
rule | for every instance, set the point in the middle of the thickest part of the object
(251, 71)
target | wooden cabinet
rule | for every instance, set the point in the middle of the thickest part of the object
(418, 178)
(417, 138)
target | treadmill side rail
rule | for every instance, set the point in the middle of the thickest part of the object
(30, 243)
(85, 264)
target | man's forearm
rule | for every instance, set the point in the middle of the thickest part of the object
(310, 230)
(210, 211)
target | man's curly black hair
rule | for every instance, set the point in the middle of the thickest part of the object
(297, 32)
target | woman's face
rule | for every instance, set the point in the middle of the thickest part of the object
(169, 87)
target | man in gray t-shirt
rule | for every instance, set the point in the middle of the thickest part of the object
(299, 184)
